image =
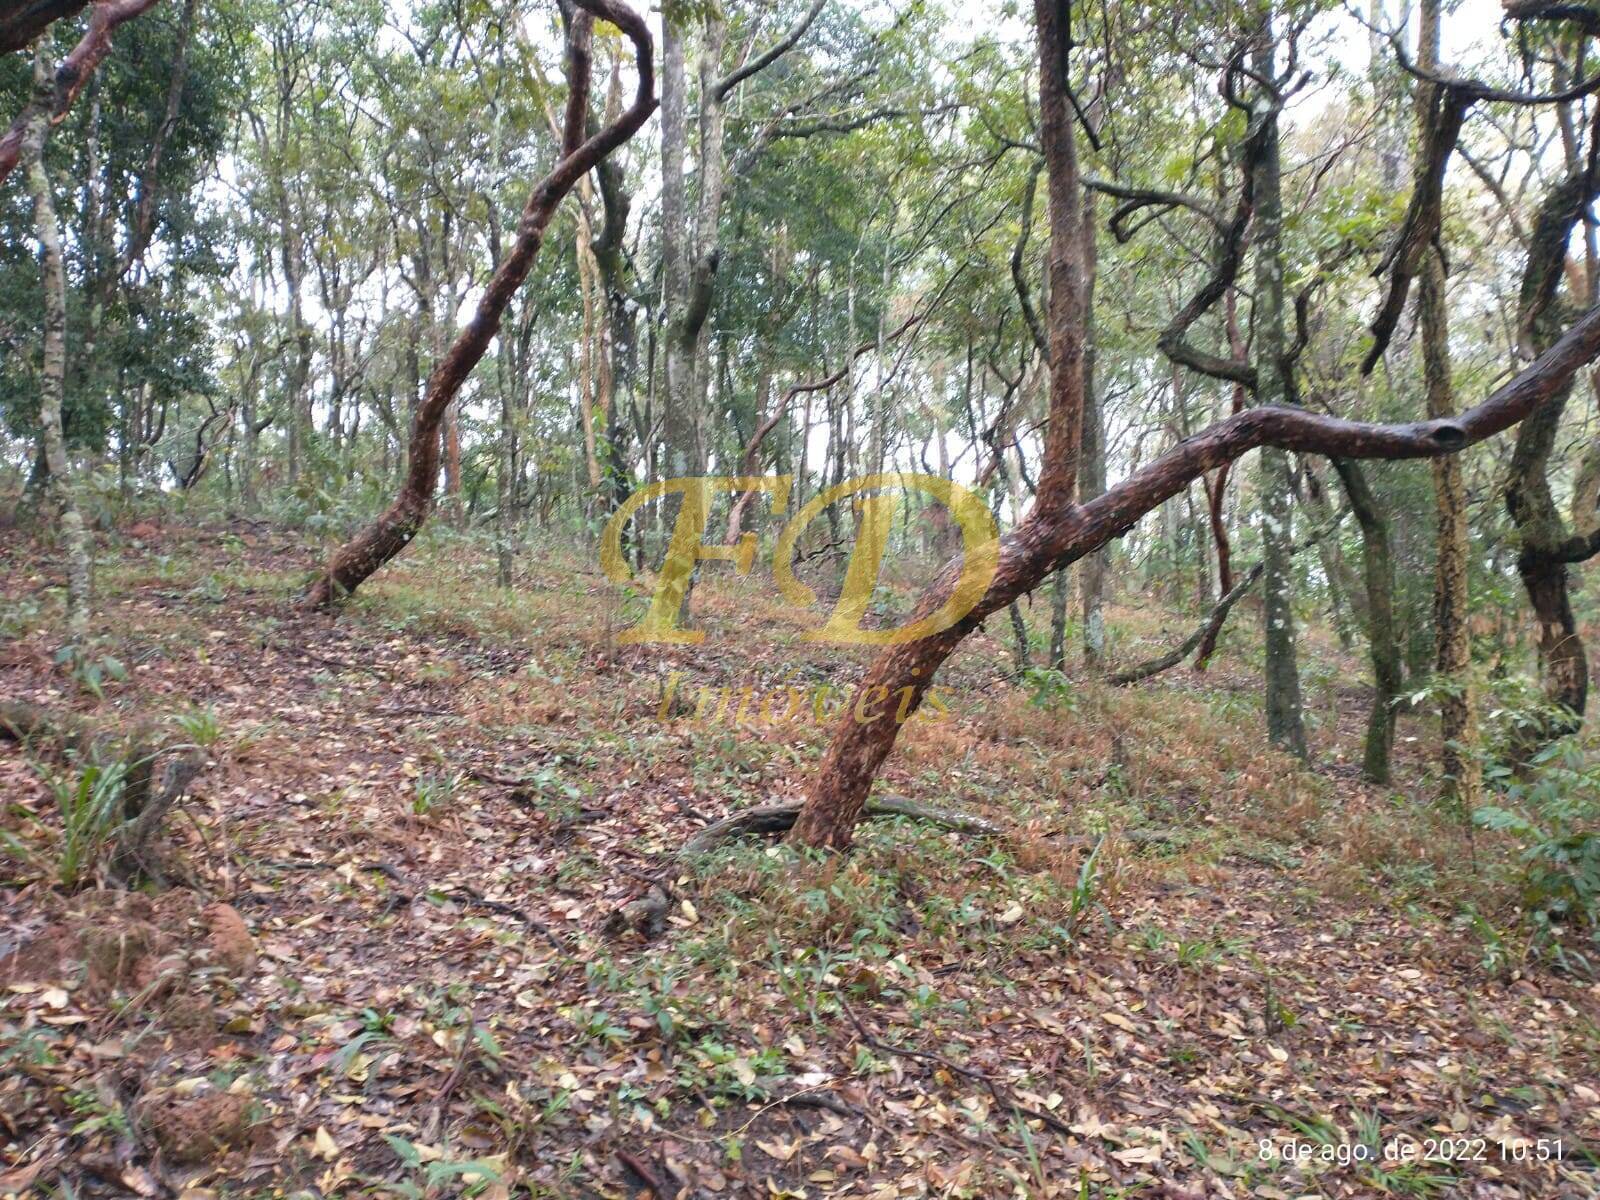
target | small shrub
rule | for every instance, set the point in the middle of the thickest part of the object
(91, 807)
(433, 793)
(90, 672)
(1553, 811)
(199, 726)
(1051, 689)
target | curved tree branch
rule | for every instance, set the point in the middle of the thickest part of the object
(1173, 341)
(773, 53)
(1018, 278)
(23, 20)
(1423, 215)
(387, 536)
(75, 71)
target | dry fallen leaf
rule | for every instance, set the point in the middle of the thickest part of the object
(323, 1144)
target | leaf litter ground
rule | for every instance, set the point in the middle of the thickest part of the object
(390, 963)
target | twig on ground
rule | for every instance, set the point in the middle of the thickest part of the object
(1000, 1092)
(430, 1126)
(647, 1176)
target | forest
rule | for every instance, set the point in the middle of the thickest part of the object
(799, 598)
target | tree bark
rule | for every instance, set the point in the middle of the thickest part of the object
(387, 536)
(1285, 724)
(1458, 759)
(75, 70)
(859, 748)
(1092, 481)
(1546, 545)
(1382, 637)
(23, 20)
(52, 378)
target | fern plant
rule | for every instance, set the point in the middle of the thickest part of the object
(1554, 811)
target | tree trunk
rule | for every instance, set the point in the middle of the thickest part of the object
(1217, 486)
(1019, 637)
(858, 748)
(678, 427)
(1545, 541)
(1285, 725)
(76, 70)
(1092, 480)
(52, 378)
(1458, 759)
(1382, 638)
(1059, 590)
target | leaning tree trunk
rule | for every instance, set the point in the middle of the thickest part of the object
(1052, 537)
(52, 375)
(1031, 550)
(1058, 531)
(387, 536)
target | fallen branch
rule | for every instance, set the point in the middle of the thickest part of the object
(1209, 628)
(1212, 625)
(779, 818)
(646, 1176)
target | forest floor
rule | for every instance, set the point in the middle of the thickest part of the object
(388, 961)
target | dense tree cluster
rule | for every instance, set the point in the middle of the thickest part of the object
(349, 261)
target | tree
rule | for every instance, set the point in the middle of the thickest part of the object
(75, 70)
(36, 125)
(1453, 641)
(393, 530)
(1285, 722)
(1058, 530)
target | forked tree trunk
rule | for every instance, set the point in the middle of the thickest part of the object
(53, 373)
(1057, 531)
(393, 530)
